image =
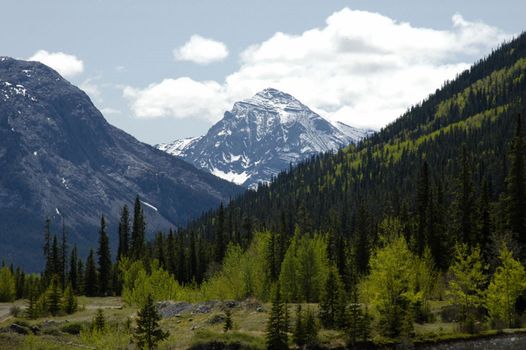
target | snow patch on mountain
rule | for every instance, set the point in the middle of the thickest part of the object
(261, 136)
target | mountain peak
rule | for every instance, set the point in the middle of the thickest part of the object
(260, 137)
(271, 93)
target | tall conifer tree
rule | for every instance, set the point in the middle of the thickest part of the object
(104, 257)
(90, 276)
(138, 231)
(124, 233)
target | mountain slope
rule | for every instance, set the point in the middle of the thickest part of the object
(477, 110)
(59, 156)
(262, 136)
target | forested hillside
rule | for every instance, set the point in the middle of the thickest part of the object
(411, 169)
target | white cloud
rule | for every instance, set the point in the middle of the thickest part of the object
(178, 98)
(362, 68)
(201, 50)
(110, 111)
(92, 89)
(65, 64)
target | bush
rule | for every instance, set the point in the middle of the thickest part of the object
(51, 331)
(73, 328)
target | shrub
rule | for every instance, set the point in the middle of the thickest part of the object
(72, 328)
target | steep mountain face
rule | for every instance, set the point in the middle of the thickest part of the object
(262, 136)
(59, 158)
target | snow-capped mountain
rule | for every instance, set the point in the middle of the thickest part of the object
(59, 158)
(262, 136)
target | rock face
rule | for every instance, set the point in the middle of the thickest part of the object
(262, 136)
(59, 158)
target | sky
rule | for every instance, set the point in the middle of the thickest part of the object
(163, 70)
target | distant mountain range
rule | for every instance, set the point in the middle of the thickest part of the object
(262, 136)
(60, 158)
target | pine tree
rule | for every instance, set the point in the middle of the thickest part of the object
(276, 336)
(229, 325)
(299, 334)
(55, 258)
(104, 257)
(361, 247)
(32, 310)
(80, 278)
(485, 224)
(69, 303)
(465, 200)
(272, 259)
(192, 257)
(332, 304)
(355, 317)
(170, 254)
(220, 246)
(99, 322)
(148, 333)
(181, 265)
(73, 277)
(54, 296)
(124, 233)
(138, 231)
(159, 249)
(63, 255)
(90, 276)
(311, 329)
(516, 185)
(47, 251)
(422, 206)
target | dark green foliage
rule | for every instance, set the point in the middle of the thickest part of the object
(485, 227)
(98, 323)
(464, 208)
(104, 257)
(73, 277)
(63, 256)
(305, 333)
(332, 303)
(229, 325)
(148, 333)
(47, 251)
(311, 329)
(32, 310)
(124, 233)
(276, 335)
(90, 277)
(53, 296)
(299, 333)
(423, 192)
(516, 185)
(80, 272)
(357, 328)
(362, 246)
(20, 282)
(137, 243)
(220, 245)
(72, 328)
(69, 303)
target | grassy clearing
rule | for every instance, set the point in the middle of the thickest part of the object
(186, 330)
